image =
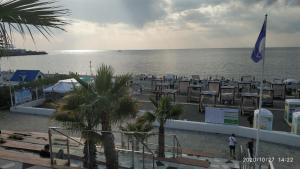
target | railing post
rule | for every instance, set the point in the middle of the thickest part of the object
(88, 150)
(68, 151)
(143, 157)
(174, 146)
(122, 140)
(128, 142)
(177, 149)
(153, 159)
(118, 158)
(50, 146)
(132, 146)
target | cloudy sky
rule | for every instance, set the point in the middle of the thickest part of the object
(157, 24)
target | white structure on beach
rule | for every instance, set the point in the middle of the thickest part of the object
(266, 119)
(62, 86)
(296, 123)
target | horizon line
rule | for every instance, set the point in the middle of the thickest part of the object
(95, 50)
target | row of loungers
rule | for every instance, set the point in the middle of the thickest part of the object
(223, 91)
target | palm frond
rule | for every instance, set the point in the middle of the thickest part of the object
(154, 102)
(127, 108)
(81, 82)
(120, 86)
(147, 117)
(139, 130)
(23, 15)
(175, 112)
(103, 81)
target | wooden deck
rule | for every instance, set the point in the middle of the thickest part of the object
(33, 143)
(23, 158)
(191, 152)
(22, 146)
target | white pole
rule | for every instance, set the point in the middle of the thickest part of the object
(10, 93)
(260, 99)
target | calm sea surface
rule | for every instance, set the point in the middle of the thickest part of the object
(280, 62)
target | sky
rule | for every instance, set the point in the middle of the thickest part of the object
(172, 24)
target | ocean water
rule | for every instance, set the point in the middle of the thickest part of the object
(231, 63)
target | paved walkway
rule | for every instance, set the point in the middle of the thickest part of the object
(7, 162)
(215, 144)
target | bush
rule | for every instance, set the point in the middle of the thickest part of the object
(2, 141)
(5, 97)
(15, 137)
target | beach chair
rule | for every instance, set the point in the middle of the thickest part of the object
(268, 94)
(157, 86)
(227, 94)
(195, 79)
(183, 86)
(212, 92)
(247, 78)
(245, 85)
(170, 78)
(277, 81)
(247, 89)
(194, 91)
(278, 91)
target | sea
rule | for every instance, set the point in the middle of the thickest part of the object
(280, 63)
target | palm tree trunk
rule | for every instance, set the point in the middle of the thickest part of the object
(89, 152)
(161, 140)
(109, 144)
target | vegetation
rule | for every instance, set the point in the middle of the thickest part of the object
(164, 110)
(15, 137)
(99, 105)
(4, 90)
(2, 141)
(23, 16)
(138, 131)
(5, 97)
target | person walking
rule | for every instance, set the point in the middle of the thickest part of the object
(250, 120)
(232, 142)
(250, 145)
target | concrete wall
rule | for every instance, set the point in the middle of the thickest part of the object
(33, 103)
(269, 136)
(29, 108)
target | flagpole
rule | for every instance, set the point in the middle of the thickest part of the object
(260, 100)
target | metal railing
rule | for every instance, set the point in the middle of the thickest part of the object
(175, 149)
(246, 164)
(68, 143)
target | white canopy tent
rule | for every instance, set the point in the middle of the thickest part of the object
(62, 86)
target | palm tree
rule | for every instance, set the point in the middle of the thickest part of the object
(102, 104)
(23, 15)
(164, 110)
(138, 131)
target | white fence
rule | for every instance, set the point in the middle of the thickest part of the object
(29, 108)
(269, 136)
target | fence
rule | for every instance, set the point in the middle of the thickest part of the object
(269, 136)
(132, 152)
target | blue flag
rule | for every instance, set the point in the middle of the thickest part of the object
(259, 50)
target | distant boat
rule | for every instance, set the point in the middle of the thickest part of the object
(119, 50)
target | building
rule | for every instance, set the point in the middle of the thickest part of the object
(26, 75)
